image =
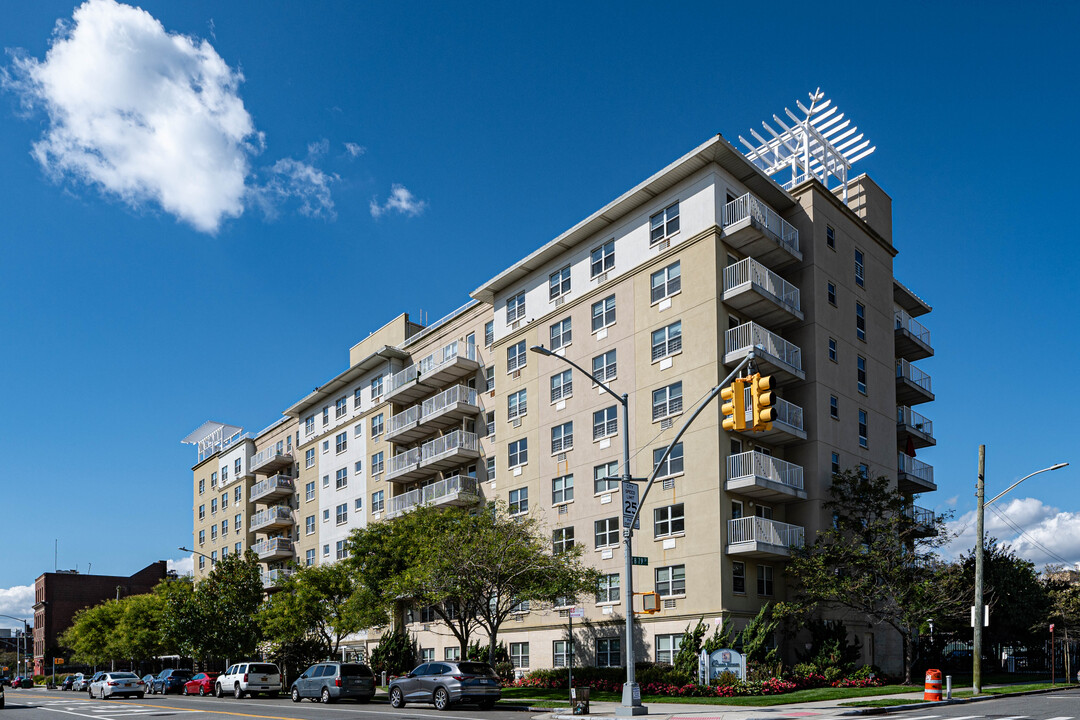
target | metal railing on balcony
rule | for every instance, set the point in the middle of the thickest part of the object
(432, 362)
(755, 464)
(921, 515)
(449, 443)
(264, 456)
(916, 468)
(450, 396)
(749, 206)
(913, 326)
(906, 370)
(404, 419)
(449, 487)
(907, 416)
(272, 577)
(404, 461)
(749, 270)
(270, 484)
(753, 335)
(273, 546)
(400, 378)
(269, 516)
(762, 530)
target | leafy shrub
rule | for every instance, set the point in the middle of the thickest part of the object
(728, 678)
(396, 653)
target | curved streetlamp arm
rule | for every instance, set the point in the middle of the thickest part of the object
(1052, 467)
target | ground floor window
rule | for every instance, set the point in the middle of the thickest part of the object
(519, 654)
(667, 646)
(563, 652)
(427, 654)
(608, 652)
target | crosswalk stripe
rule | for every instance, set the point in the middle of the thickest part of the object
(1062, 717)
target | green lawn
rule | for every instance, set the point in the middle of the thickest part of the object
(1013, 688)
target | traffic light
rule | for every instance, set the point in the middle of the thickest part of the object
(650, 603)
(762, 398)
(734, 397)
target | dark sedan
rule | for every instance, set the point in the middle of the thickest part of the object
(171, 680)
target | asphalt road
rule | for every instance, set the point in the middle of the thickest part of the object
(38, 704)
(1062, 705)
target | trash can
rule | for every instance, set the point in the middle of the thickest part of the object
(579, 700)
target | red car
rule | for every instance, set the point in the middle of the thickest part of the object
(201, 684)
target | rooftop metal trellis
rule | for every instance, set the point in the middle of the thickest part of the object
(820, 144)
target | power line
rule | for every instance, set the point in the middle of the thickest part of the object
(1023, 533)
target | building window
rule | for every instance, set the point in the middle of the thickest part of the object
(604, 367)
(519, 501)
(664, 224)
(202, 537)
(519, 654)
(376, 387)
(667, 647)
(518, 452)
(832, 349)
(376, 463)
(224, 474)
(561, 334)
(309, 458)
(667, 401)
(668, 520)
(860, 321)
(326, 481)
(862, 429)
(608, 652)
(326, 515)
(453, 654)
(202, 512)
(325, 415)
(358, 504)
(358, 467)
(224, 500)
(490, 463)
(605, 423)
(559, 283)
(606, 532)
(830, 237)
(236, 523)
(489, 333)
(562, 385)
(358, 430)
(859, 280)
(667, 341)
(326, 550)
(213, 479)
(238, 494)
(671, 580)
(489, 424)
(830, 291)
(738, 577)
(341, 478)
(602, 259)
(834, 407)
(309, 558)
(515, 308)
(225, 527)
(665, 283)
(213, 506)
(213, 558)
(562, 438)
(309, 491)
(764, 580)
(341, 442)
(515, 357)
(238, 548)
(357, 399)
(601, 475)
(309, 525)
(341, 550)
(516, 404)
(341, 406)
(562, 651)
(607, 590)
(562, 539)
(377, 425)
(489, 379)
(562, 490)
(836, 463)
(864, 471)
(377, 501)
(603, 313)
(213, 533)
(202, 562)
(236, 467)
(672, 465)
(202, 485)
(861, 374)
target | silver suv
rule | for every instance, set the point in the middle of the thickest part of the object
(332, 681)
(249, 678)
(445, 683)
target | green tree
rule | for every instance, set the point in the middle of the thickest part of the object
(92, 636)
(138, 633)
(877, 561)
(225, 606)
(397, 653)
(180, 625)
(1062, 589)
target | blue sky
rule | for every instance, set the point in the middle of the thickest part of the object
(218, 260)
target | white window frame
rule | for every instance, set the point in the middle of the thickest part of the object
(667, 341)
(341, 514)
(562, 438)
(341, 442)
(606, 533)
(518, 453)
(562, 489)
(309, 525)
(609, 652)
(309, 491)
(378, 425)
(602, 258)
(376, 387)
(765, 581)
(738, 573)
(860, 321)
(860, 268)
(860, 374)
(517, 404)
(667, 401)
(605, 423)
(515, 308)
(674, 463)
(516, 357)
(562, 385)
(341, 478)
(341, 407)
(489, 333)
(608, 588)
(562, 539)
(665, 283)
(667, 647)
(669, 520)
(609, 485)
(671, 581)
(519, 655)
(518, 502)
(664, 224)
(605, 371)
(309, 458)
(864, 422)
(561, 334)
(377, 501)
(603, 314)
(559, 283)
(377, 463)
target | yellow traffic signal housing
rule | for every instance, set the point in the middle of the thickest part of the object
(650, 603)
(734, 397)
(763, 399)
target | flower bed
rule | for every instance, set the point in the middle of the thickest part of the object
(771, 686)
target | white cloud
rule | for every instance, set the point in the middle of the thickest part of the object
(401, 201)
(182, 566)
(318, 148)
(17, 601)
(1050, 535)
(354, 150)
(294, 180)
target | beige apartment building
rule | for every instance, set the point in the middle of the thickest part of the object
(659, 294)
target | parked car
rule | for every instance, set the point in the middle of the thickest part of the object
(332, 681)
(171, 680)
(201, 684)
(68, 681)
(21, 681)
(80, 683)
(249, 679)
(446, 683)
(91, 680)
(111, 684)
(1, 695)
(146, 680)
(4, 680)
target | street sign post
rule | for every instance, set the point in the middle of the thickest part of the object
(630, 504)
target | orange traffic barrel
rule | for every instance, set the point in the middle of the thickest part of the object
(932, 690)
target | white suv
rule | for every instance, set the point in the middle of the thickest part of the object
(250, 678)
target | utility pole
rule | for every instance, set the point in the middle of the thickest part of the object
(976, 647)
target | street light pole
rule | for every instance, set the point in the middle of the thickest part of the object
(26, 631)
(980, 493)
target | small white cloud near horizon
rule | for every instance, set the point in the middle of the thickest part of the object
(17, 601)
(1055, 530)
(354, 150)
(150, 117)
(400, 201)
(182, 566)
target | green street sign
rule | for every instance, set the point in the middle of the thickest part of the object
(640, 560)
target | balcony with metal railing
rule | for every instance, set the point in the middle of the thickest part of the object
(272, 518)
(273, 577)
(754, 228)
(759, 293)
(763, 476)
(440, 411)
(449, 450)
(913, 427)
(273, 487)
(760, 537)
(912, 384)
(923, 519)
(274, 549)
(459, 490)
(786, 429)
(914, 476)
(912, 339)
(270, 460)
(405, 466)
(772, 354)
(454, 361)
